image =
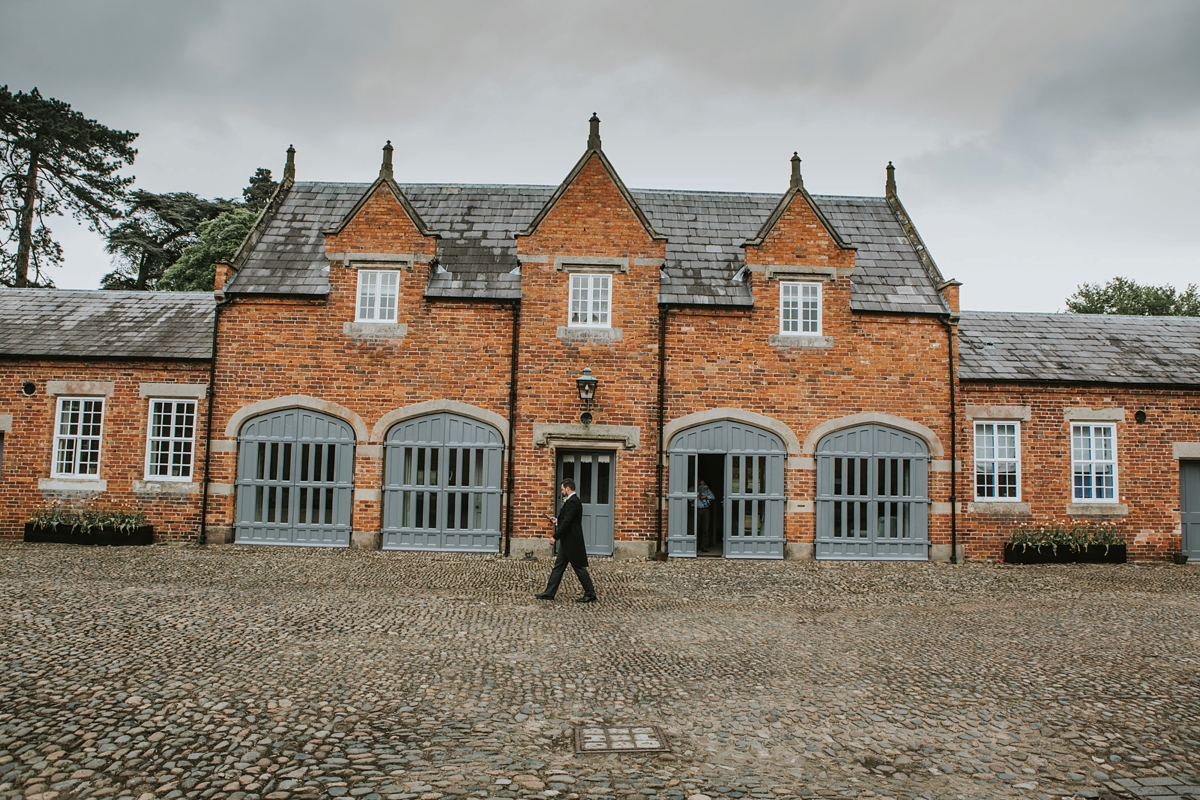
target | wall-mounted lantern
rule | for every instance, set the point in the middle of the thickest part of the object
(586, 384)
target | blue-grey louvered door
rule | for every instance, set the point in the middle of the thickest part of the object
(442, 485)
(752, 504)
(295, 482)
(872, 495)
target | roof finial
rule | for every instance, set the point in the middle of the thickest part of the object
(594, 133)
(385, 171)
(797, 181)
(289, 169)
(890, 187)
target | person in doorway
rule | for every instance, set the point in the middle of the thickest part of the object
(568, 531)
(704, 501)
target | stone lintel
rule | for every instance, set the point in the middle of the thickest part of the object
(195, 391)
(81, 388)
(1094, 414)
(999, 413)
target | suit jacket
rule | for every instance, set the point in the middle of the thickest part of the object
(569, 531)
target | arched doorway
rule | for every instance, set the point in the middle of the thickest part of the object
(872, 495)
(441, 485)
(743, 465)
(295, 480)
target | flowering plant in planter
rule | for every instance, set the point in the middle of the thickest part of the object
(95, 526)
(87, 520)
(1061, 543)
(1076, 537)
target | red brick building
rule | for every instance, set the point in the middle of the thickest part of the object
(406, 366)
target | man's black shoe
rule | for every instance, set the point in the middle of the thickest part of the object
(586, 599)
(544, 596)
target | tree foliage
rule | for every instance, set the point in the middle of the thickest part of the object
(1123, 296)
(53, 160)
(160, 227)
(217, 240)
(256, 195)
(154, 234)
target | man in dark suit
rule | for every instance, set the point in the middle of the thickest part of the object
(568, 530)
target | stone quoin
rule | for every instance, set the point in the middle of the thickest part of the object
(396, 365)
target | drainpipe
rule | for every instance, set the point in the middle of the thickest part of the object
(949, 323)
(662, 400)
(512, 422)
(212, 390)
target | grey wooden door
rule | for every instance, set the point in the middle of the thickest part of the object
(752, 504)
(295, 481)
(872, 495)
(441, 485)
(594, 476)
(1189, 506)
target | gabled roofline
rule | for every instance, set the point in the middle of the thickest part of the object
(573, 174)
(264, 218)
(782, 205)
(918, 244)
(401, 198)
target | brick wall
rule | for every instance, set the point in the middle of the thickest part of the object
(1147, 470)
(28, 447)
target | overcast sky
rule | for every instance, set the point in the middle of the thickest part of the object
(1037, 145)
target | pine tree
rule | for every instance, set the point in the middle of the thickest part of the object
(54, 161)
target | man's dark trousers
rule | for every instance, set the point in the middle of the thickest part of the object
(571, 549)
(560, 569)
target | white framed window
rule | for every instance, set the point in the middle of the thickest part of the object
(997, 461)
(1094, 462)
(171, 440)
(77, 436)
(590, 298)
(800, 308)
(377, 293)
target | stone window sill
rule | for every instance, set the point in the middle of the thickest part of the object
(988, 509)
(595, 335)
(88, 485)
(375, 330)
(166, 487)
(787, 340)
(1097, 509)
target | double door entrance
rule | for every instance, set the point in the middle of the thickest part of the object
(593, 473)
(742, 468)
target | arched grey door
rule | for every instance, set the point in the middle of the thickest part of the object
(441, 485)
(872, 495)
(295, 481)
(751, 503)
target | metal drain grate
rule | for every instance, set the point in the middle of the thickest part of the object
(620, 739)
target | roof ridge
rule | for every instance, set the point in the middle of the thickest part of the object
(1077, 315)
(114, 293)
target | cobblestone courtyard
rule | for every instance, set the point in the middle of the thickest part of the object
(236, 672)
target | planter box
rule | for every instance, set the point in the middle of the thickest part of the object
(1094, 554)
(63, 534)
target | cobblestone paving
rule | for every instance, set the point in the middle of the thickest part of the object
(243, 673)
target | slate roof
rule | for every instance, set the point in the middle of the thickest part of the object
(102, 324)
(477, 251)
(289, 258)
(1079, 348)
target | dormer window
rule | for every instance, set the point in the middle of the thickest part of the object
(800, 309)
(377, 293)
(590, 298)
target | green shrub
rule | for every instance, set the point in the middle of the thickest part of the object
(1075, 537)
(88, 519)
